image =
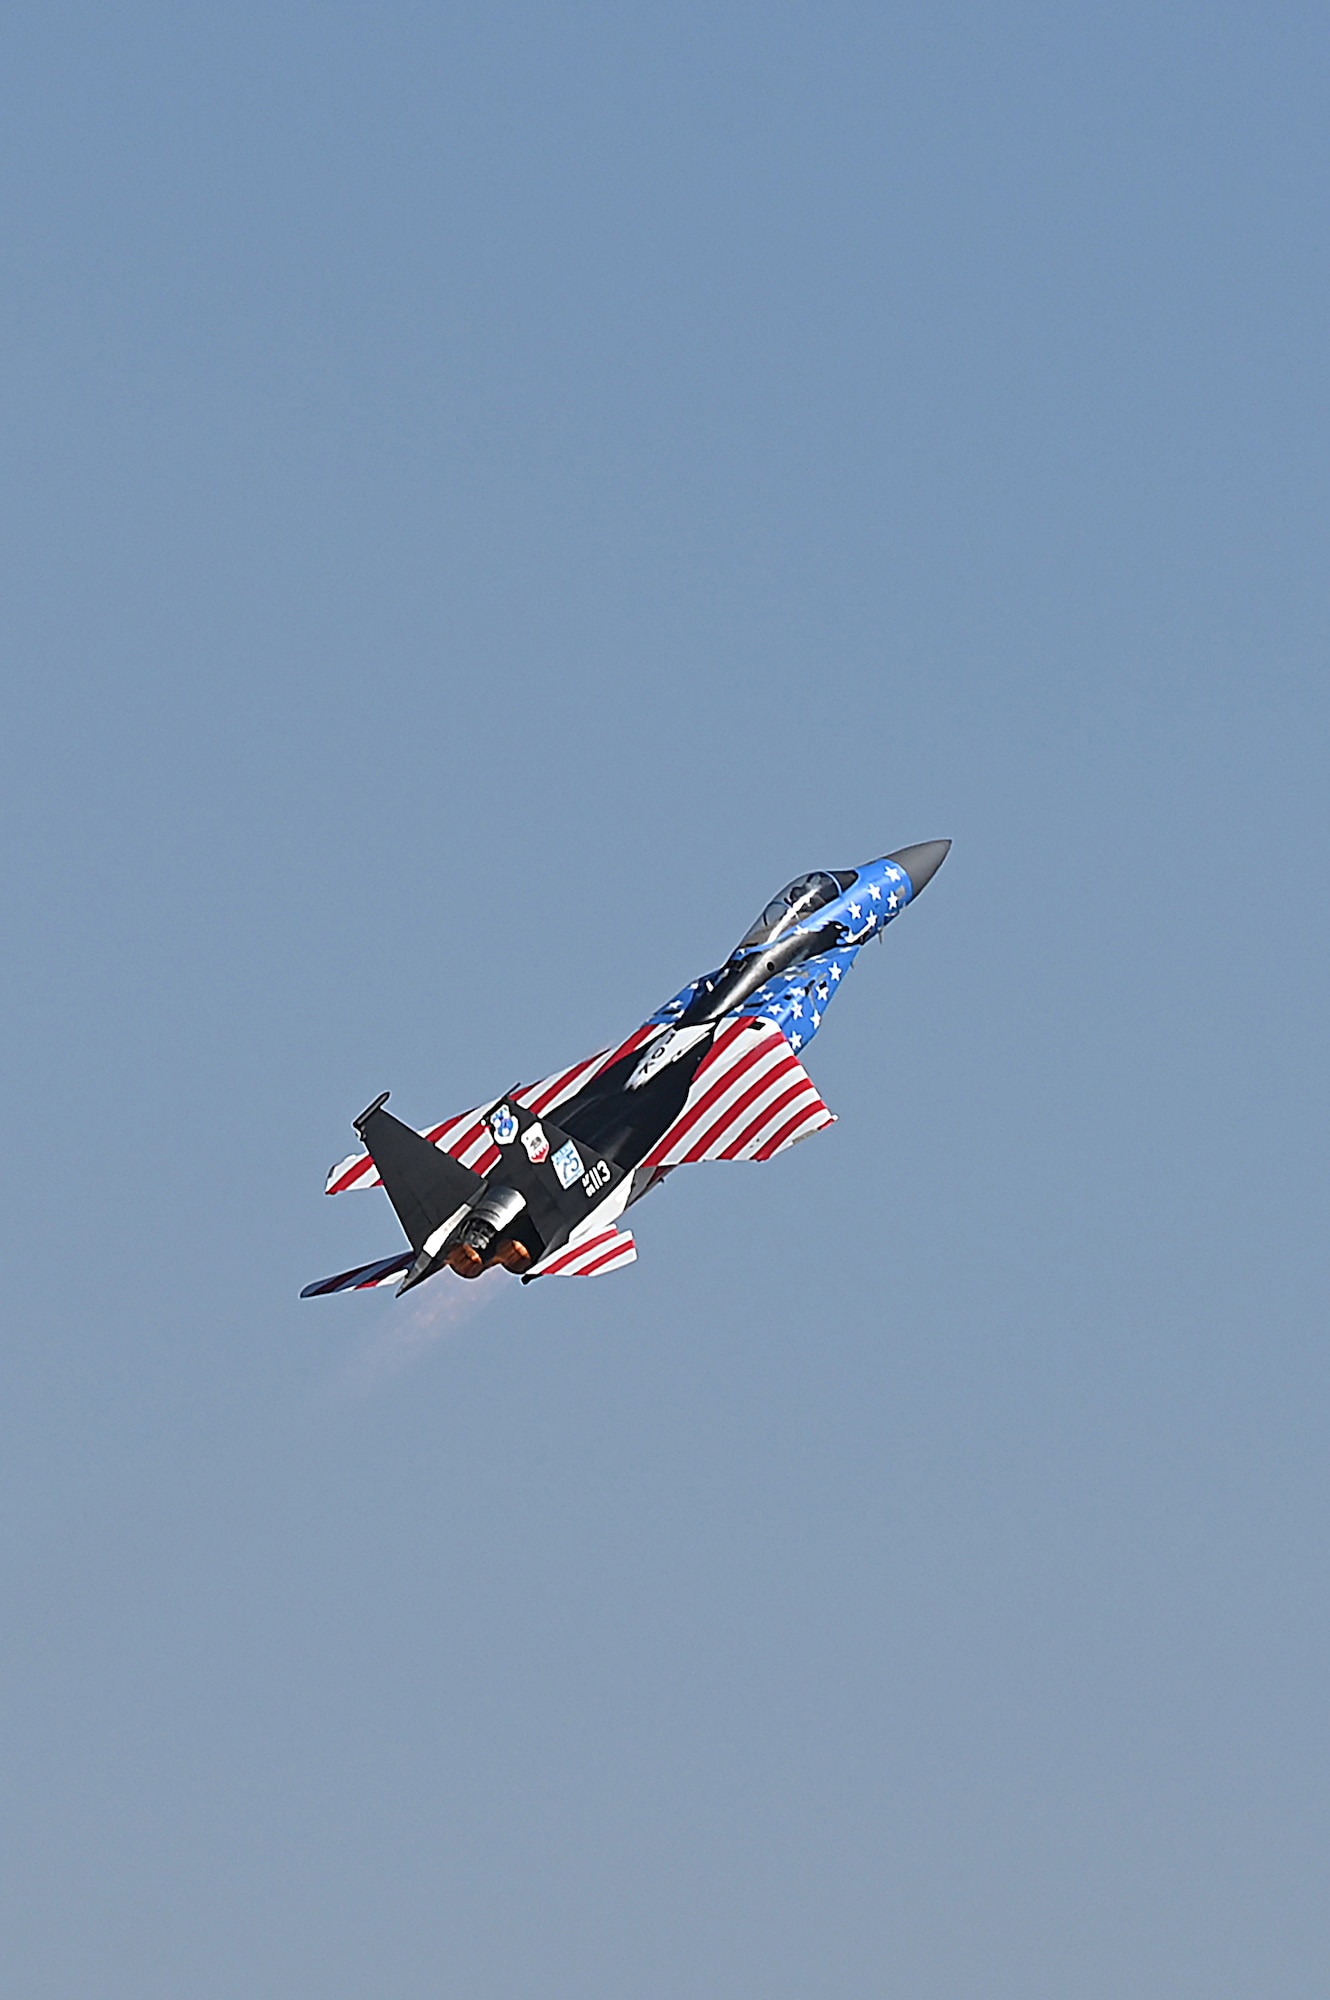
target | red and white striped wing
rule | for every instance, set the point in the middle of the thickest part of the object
(608, 1250)
(750, 1099)
(468, 1138)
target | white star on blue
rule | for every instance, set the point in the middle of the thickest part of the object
(796, 1000)
(801, 995)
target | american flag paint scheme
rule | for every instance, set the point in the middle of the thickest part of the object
(537, 1180)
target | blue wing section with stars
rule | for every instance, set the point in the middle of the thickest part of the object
(797, 1000)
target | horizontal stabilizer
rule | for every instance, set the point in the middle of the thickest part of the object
(608, 1250)
(363, 1278)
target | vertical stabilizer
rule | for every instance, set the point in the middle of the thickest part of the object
(424, 1185)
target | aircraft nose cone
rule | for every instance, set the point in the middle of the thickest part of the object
(921, 863)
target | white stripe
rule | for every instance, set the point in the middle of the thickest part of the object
(774, 1086)
(813, 1119)
(774, 1058)
(624, 1252)
(455, 1129)
(557, 1258)
(693, 1129)
(567, 1255)
(476, 1148)
(615, 1263)
(560, 1080)
(576, 1265)
(818, 1123)
(435, 1241)
(605, 1212)
(805, 1104)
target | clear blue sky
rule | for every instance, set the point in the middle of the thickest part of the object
(490, 493)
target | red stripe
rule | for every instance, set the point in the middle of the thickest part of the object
(589, 1256)
(351, 1176)
(571, 1267)
(570, 1256)
(571, 1080)
(571, 1250)
(615, 1250)
(635, 1041)
(452, 1128)
(769, 1111)
(535, 1096)
(730, 1074)
(725, 1070)
(554, 1088)
(736, 1110)
(791, 1125)
(581, 1073)
(474, 1132)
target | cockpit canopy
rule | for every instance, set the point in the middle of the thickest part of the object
(794, 903)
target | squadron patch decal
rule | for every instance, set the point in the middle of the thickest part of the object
(536, 1144)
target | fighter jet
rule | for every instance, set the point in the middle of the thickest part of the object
(537, 1180)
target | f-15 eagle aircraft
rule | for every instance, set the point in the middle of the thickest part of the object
(536, 1180)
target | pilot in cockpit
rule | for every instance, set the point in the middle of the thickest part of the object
(794, 903)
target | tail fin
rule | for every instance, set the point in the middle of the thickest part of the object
(424, 1185)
